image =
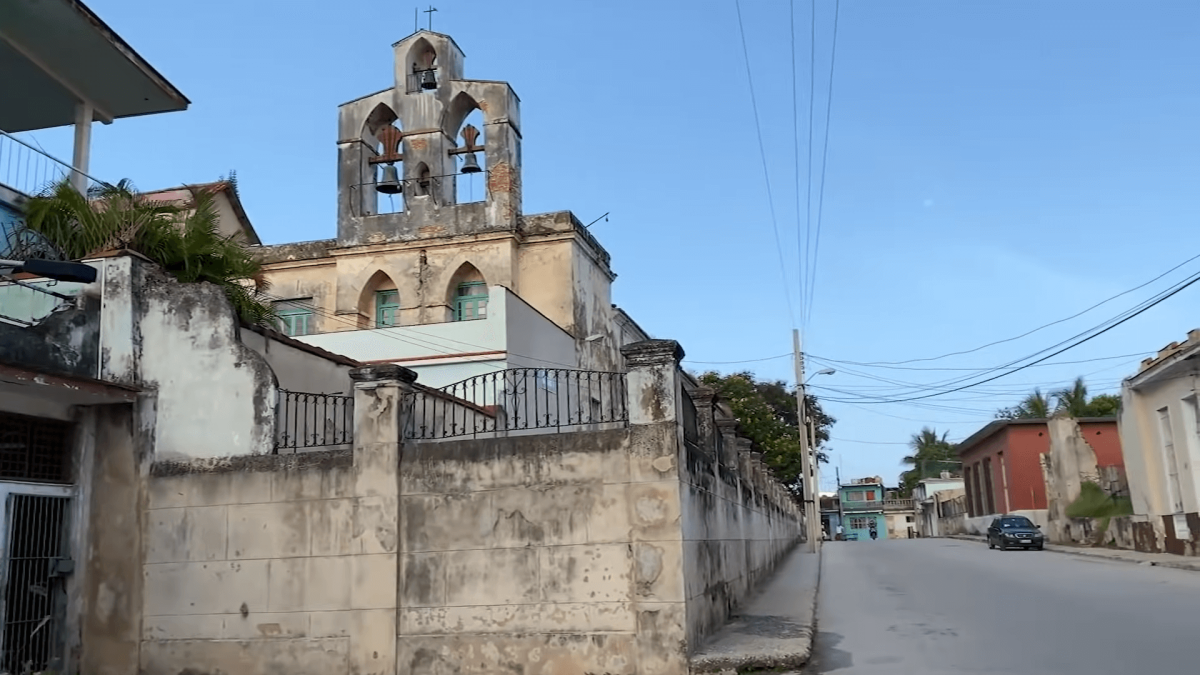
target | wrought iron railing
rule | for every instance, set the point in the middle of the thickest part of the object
(515, 400)
(30, 170)
(313, 420)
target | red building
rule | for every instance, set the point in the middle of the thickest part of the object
(1002, 468)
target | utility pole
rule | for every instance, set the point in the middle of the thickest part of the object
(810, 492)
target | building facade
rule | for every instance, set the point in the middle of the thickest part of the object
(926, 502)
(1160, 437)
(1003, 466)
(862, 509)
(449, 282)
(62, 408)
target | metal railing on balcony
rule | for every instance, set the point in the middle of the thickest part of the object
(29, 170)
(312, 421)
(515, 400)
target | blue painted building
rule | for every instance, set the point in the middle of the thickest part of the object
(861, 505)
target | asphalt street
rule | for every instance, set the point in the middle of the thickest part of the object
(946, 606)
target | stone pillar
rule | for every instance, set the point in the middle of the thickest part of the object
(378, 436)
(706, 423)
(660, 557)
(652, 380)
(727, 428)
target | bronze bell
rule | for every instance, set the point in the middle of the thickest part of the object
(389, 182)
(428, 80)
(470, 164)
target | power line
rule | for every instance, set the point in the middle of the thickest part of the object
(1030, 332)
(852, 440)
(1157, 301)
(1012, 366)
(812, 72)
(415, 341)
(801, 252)
(763, 155)
(812, 268)
(1040, 365)
(726, 363)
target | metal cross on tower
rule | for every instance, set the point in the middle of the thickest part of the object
(430, 12)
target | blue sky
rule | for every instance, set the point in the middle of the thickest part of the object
(992, 167)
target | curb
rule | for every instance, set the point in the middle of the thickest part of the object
(719, 664)
(1069, 550)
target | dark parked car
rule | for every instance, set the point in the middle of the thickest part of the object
(1015, 531)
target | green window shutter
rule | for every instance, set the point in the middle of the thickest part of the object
(470, 301)
(295, 316)
(387, 308)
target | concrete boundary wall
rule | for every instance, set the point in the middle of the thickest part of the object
(607, 551)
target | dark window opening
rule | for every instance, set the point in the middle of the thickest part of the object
(34, 449)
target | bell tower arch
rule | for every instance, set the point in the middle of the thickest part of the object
(418, 134)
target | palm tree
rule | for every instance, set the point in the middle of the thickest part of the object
(183, 241)
(1073, 400)
(930, 454)
(1035, 406)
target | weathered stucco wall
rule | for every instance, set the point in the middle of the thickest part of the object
(558, 553)
(737, 523)
(215, 396)
(279, 563)
(297, 369)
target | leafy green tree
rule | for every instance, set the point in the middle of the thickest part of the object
(766, 414)
(184, 241)
(1073, 401)
(931, 454)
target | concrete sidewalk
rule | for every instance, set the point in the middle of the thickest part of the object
(774, 629)
(1119, 555)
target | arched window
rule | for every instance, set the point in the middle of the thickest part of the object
(465, 120)
(470, 294)
(423, 72)
(380, 300)
(382, 133)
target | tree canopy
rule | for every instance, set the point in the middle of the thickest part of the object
(931, 454)
(767, 415)
(184, 241)
(1073, 401)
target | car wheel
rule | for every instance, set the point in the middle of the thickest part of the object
(1003, 545)
(990, 544)
(1041, 547)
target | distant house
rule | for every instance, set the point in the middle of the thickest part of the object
(1002, 465)
(1160, 438)
(926, 501)
(232, 221)
(861, 504)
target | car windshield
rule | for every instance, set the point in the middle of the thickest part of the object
(1015, 522)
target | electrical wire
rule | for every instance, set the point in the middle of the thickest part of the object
(416, 341)
(801, 253)
(1031, 332)
(1146, 307)
(812, 268)
(1017, 365)
(763, 155)
(812, 72)
(726, 363)
(823, 359)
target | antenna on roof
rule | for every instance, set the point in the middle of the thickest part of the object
(605, 217)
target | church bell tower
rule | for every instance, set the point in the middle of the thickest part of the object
(403, 151)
